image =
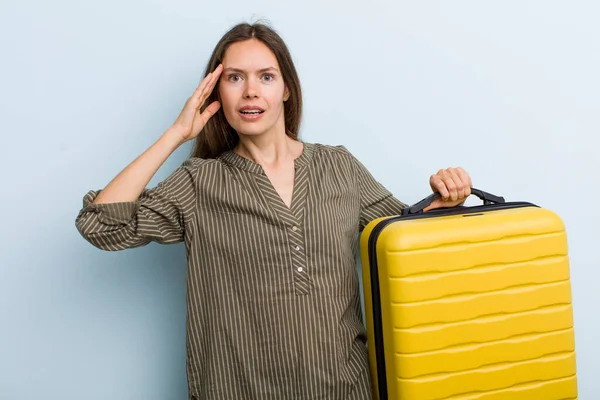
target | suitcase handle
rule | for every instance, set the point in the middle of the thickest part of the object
(418, 208)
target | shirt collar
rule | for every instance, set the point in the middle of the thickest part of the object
(246, 164)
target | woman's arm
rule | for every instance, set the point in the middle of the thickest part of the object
(125, 214)
(129, 183)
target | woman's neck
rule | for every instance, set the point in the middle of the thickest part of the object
(269, 150)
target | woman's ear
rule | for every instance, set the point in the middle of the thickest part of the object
(286, 94)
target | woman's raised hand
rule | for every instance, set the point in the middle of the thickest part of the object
(191, 121)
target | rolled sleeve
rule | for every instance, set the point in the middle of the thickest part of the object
(109, 213)
(159, 214)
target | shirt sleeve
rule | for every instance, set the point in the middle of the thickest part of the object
(159, 214)
(375, 200)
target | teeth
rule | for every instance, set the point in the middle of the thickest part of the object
(251, 112)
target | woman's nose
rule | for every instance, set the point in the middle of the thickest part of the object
(250, 91)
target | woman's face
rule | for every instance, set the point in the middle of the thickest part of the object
(252, 89)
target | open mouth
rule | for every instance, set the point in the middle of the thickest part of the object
(252, 111)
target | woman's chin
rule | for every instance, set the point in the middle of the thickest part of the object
(251, 131)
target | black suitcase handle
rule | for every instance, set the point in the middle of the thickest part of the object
(418, 208)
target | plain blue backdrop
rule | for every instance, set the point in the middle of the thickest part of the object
(508, 90)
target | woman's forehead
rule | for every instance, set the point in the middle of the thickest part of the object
(249, 56)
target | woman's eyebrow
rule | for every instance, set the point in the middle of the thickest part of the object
(231, 69)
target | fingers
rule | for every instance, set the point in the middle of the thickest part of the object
(438, 185)
(455, 185)
(200, 89)
(465, 179)
(446, 185)
(215, 78)
(452, 183)
(210, 111)
(206, 87)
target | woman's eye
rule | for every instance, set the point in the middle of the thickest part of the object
(268, 77)
(234, 78)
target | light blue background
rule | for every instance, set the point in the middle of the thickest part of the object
(509, 90)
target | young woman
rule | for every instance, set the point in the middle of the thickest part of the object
(270, 225)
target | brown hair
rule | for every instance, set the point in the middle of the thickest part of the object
(218, 136)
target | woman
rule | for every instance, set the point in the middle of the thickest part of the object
(270, 225)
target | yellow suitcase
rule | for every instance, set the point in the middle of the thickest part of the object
(469, 303)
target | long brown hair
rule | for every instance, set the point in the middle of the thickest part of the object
(218, 136)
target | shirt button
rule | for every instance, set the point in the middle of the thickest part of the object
(297, 247)
(294, 228)
(300, 269)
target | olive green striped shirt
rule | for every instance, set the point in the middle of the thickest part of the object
(272, 292)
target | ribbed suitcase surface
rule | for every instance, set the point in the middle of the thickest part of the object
(475, 305)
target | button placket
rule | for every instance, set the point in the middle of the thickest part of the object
(301, 277)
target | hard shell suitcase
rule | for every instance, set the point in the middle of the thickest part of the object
(469, 303)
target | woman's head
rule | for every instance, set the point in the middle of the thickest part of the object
(258, 72)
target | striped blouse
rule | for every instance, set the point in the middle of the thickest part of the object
(273, 306)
